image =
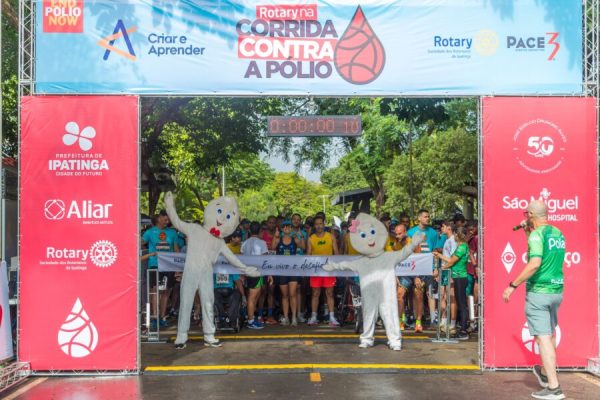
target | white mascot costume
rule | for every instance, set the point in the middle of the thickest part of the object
(204, 245)
(377, 273)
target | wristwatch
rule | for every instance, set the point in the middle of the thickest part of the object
(512, 285)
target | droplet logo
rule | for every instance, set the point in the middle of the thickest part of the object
(529, 341)
(508, 257)
(77, 336)
(359, 54)
(74, 136)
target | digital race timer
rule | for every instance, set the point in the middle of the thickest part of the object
(315, 125)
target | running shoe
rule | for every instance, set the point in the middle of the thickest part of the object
(164, 323)
(254, 324)
(294, 322)
(549, 394)
(214, 343)
(397, 347)
(365, 345)
(334, 323)
(180, 346)
(462, 335)
(284, 321)
(542, 379)
(418, 327)
(270, 321)
(313, 321)
(301, 318)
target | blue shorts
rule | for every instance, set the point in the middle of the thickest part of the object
(406, 282)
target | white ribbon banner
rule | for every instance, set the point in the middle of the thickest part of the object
(415, 265)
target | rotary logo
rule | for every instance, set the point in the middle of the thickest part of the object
(486, 42)
(103, 253)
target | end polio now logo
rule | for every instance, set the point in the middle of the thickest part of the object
(62, 16)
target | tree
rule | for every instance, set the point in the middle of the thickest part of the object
(8, 77)
(444, 163)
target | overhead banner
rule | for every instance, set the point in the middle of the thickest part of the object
(546, 149)
(79, 234)
(260, 47)
(415, 265)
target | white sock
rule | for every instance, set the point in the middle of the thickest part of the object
(331, 316)
(432, 316)
(313, 315)
(453, 323)
(444, 321)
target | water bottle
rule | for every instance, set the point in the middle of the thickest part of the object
(163, 284)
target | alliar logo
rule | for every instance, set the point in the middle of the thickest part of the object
(54, 209)
(74, 136)
(78, 336)
(359, 54)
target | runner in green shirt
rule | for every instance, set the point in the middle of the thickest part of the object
(545, 280)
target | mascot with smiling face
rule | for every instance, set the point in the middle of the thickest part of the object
(377, 273)
(204, 243)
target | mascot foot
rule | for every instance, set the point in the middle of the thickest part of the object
(180, 346)
(212, 343)
(396, 347)
(365, 345)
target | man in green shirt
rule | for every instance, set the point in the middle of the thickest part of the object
(544, 276)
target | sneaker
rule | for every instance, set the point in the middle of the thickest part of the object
(365, 345)
(396, 348)
(261, 320)
(254, 324)
(462, 335)
(164, 323)
(549, 394)
(443, 327)
(542, 379)
(180, 346)
(284, 321)
(313, 321)
(294, 322)
(418, 327)
(333, 322)
(301, 318)
(214, 343)
(271, 321)
(153, 325)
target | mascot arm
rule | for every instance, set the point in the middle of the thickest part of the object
(181, 226)
(403, 254)
(233, 260)
(351, 265)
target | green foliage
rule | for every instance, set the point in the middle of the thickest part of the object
(443, 164)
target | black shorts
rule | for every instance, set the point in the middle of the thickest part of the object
(284, 280)
(254, 283)
(162, 275)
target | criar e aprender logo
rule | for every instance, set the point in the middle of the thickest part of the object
(295, 44)
(108, 42)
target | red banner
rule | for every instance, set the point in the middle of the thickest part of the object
(540, 148)
(79, 233)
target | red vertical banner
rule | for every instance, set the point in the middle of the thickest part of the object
(539, 148)
(78, 233)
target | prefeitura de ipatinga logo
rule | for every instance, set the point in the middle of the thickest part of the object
(290, 41)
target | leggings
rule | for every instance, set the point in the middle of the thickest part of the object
(460, 292)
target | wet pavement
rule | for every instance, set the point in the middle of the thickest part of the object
(304, 363)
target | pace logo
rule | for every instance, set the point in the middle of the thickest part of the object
(508, 257)
(539, 146)
(535, 43)
(108, 42)
(78, 336)
(529, 340)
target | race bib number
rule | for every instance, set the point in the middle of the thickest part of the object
(222, 279)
